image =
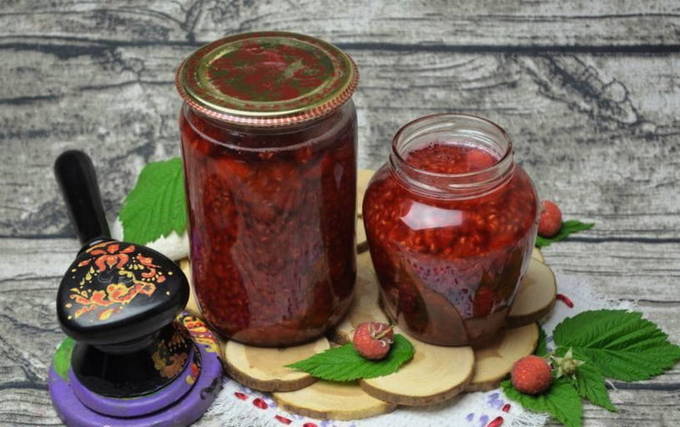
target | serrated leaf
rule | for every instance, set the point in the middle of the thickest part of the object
(156, 206)
(568, 228)
(542, 345)
(621, 344)
(589, 382)
(561, 401)
(345, 364)
(590, 386)
(62, 357)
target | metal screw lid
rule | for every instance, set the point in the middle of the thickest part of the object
(267, 79)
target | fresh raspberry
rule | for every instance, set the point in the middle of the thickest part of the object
(551, 219)
(373, 339)
(531, 375)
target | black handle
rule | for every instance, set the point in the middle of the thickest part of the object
(78, 182)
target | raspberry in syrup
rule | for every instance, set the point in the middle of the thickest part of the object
(451, 222)
(269, 140)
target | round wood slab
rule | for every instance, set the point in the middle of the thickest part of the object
(192, 304)
(535, 297)
(494, 362)
(537, 255)
(363, 178)
(435, 374)
(336, 401)
(265, 369)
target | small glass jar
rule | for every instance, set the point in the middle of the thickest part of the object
(451, 221)
(269, 141)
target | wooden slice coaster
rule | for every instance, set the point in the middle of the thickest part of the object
(362, 241)
(265, 369)
(537, 255)
(494, 362)
(192, 305)
(435, 374)
(363, 178)
(365, 305)
(330, 400)
(535, 296)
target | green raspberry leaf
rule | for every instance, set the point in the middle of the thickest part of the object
(346, 364)
(590, 386)
(589, 382)
(541, 346)
(561, 401)
(568, 228)
(62, 357)
(619, 343)
(156, 206)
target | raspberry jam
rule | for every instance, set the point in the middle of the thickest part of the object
(451, 222)
(271, 187)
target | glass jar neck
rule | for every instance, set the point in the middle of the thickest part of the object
(269, 139)
(460, 129)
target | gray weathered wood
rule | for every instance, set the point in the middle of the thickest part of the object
(545, 102)
(588, 90)
(486, 23)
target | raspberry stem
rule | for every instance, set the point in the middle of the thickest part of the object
(384, 332)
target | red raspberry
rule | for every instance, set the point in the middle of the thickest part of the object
(551, 219)
(227, 167)
(531, 375)
(478, 160)
(484, 302)
(373, 339)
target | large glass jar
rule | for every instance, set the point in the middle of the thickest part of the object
(451, 222)
(269, 140)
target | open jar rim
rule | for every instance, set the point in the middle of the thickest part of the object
(455, 126)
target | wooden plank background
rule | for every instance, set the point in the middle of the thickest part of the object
(589, 91)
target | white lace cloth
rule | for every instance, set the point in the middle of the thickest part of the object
(173, 246)
(240, 406)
